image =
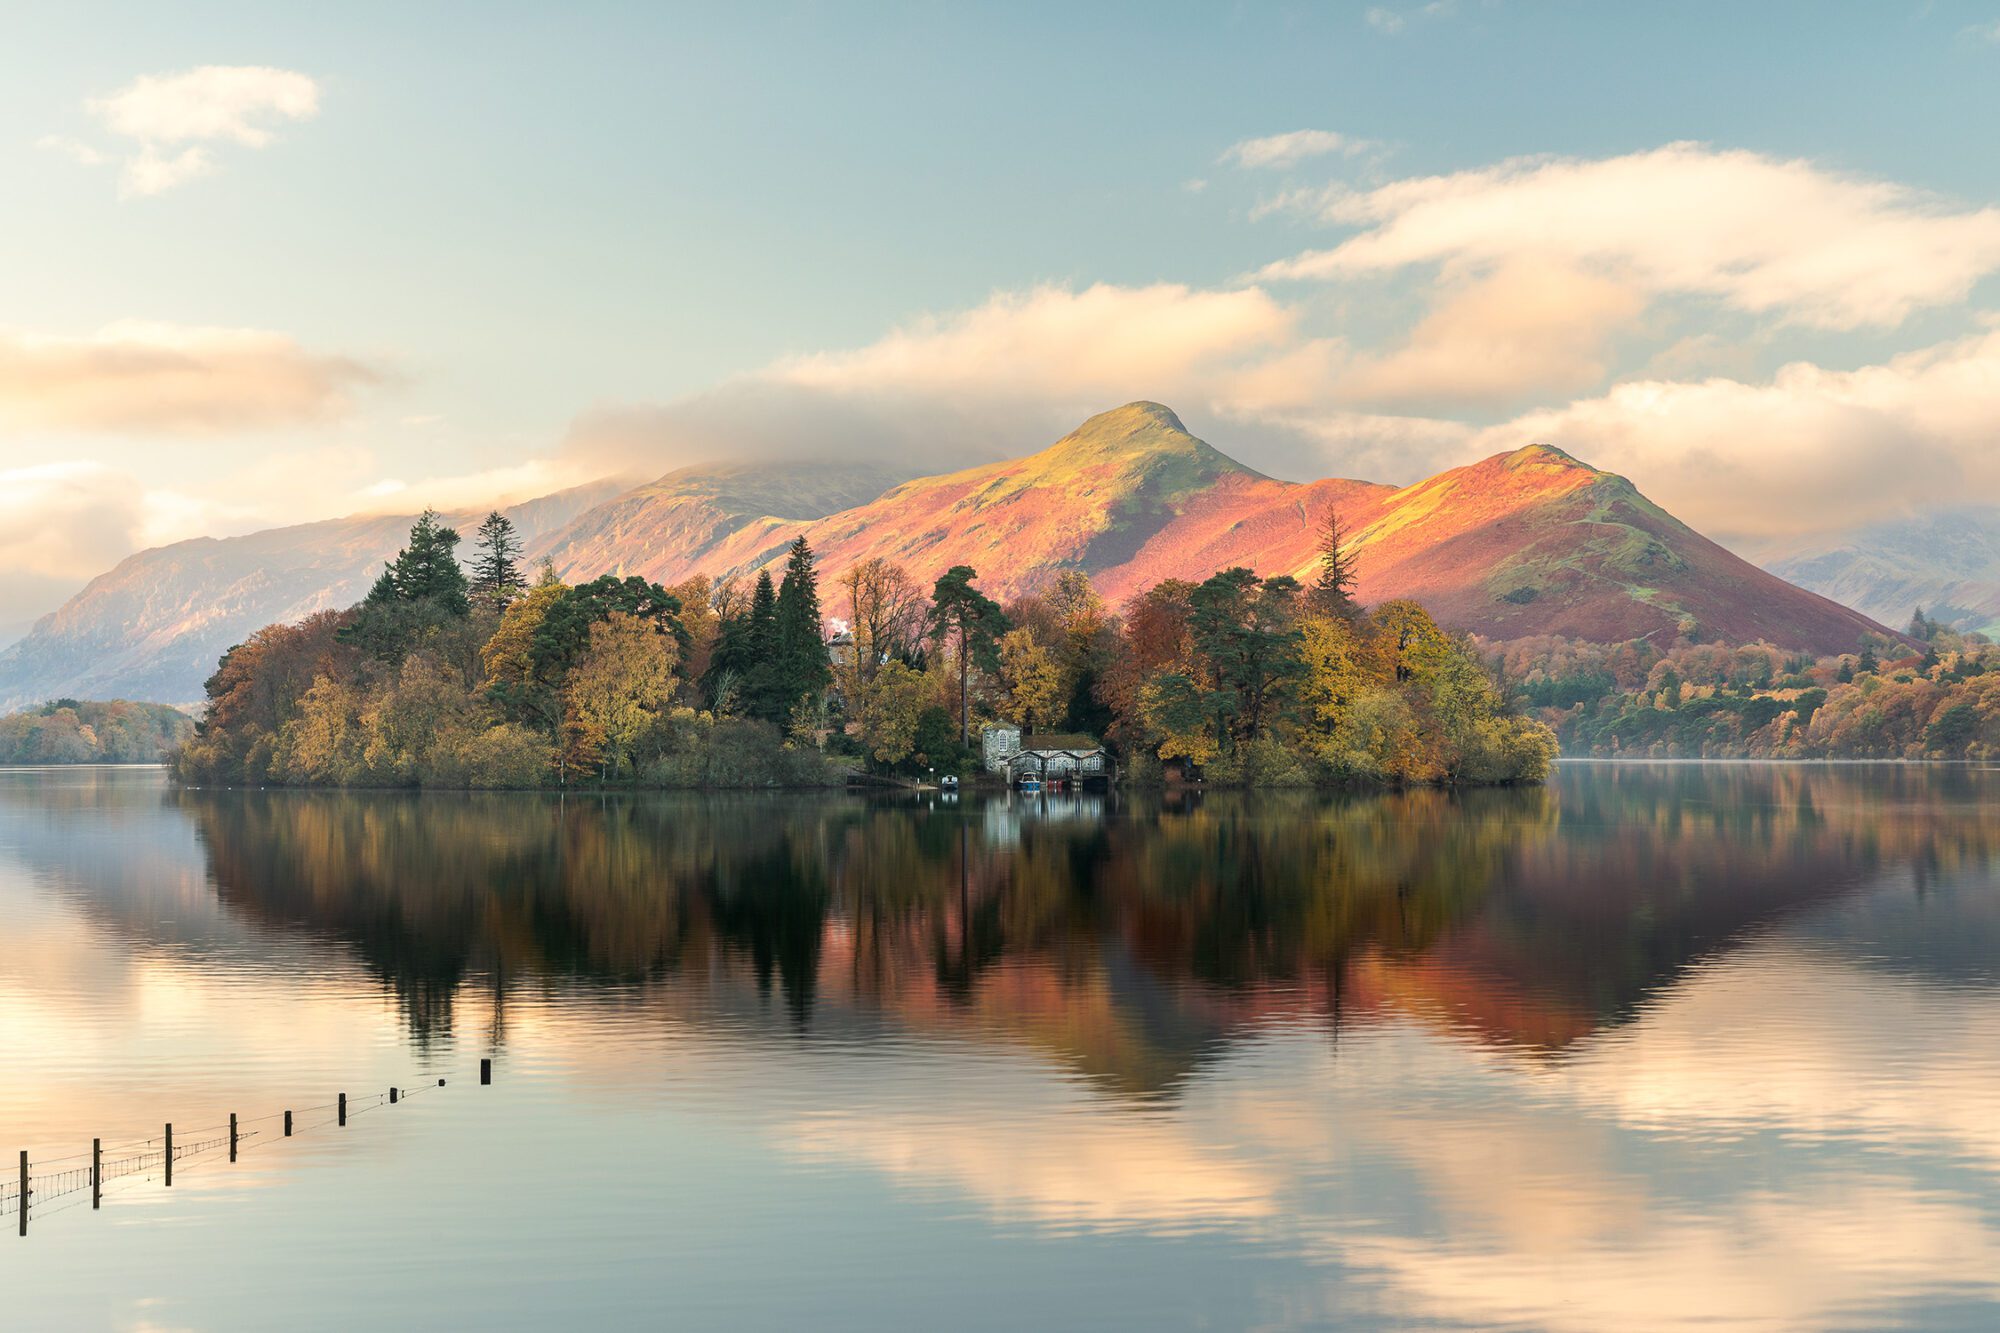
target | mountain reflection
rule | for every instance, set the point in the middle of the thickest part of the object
(1129, 937)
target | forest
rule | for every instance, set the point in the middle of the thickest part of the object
(1931, 694)
(444, 677)
(73, 731)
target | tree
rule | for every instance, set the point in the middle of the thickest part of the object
(1245, 632)
(419, 590)
(618, 686)
(970, 622)
(1034, 682)
(514, 676)
(1332, 592)
(496, 572)
(742, 669)
(885, 610)
(803, 669)
(889, 708)
(564, 632)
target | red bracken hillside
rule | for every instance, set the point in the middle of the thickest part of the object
(1530, 542)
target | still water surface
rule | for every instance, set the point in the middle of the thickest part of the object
(1676, 1047)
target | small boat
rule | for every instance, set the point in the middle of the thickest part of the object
(1031, 785)
(949, 782)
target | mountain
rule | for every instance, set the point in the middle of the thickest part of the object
(1523, 543)
(1947, 562)
(153, 627)
(1529, 542)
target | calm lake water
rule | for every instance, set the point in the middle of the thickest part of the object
(1674, 1046)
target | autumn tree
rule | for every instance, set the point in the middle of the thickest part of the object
(970, 624)
(888, 708)
(885, 611)
(1245, 630)
(619, 684)
(1032, 679)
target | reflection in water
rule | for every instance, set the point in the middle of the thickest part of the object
(1655, 1047)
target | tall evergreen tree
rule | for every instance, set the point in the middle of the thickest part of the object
(962, 613)
(1333, 592)
(496, 570)
(804, 669)
(421, 587)
(761, 686)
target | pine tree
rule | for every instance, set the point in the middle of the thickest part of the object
(496, 571)
(961, 611)
(804, 669)
(1333, 592)
(427, 569)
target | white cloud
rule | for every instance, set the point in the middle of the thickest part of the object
(236, 103)
(1763, 235)
(1531, 326)
(1811, 449)
(1386, 21)
(1284, 150)
(171, 379)
(175, 119)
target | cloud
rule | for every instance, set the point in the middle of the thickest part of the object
(1386, 21)
(1783, 238)
(1530, 326)
(171, 379)
(215, 102)
(1021, 368)
(1809, 450)
(175, 119)
(1284, 150)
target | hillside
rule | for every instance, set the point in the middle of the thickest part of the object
(1531, 542)
(1947, 562)
(154, 625)
(1524, 543)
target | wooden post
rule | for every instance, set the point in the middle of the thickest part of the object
(96, 1173)
(343, 1108)
(21, 1204)
(232, 1136)
(288, 1124)
(170, 1154)
(485, 1072)
(392, 1096)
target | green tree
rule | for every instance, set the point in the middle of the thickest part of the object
(496, 570)
(742, 671)
(418, 591)
(802, 669)
(1245, 631)
(971, 623)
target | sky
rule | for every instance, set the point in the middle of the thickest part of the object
(267, 264)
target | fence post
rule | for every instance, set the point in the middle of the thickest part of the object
(485, 1071)
(392, 1096)
(343, 1108)
(170, 1154)
(232, 1136)
(21, 1204)
(96, 1172)
(288, 1124)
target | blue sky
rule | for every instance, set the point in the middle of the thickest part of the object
(488, 249)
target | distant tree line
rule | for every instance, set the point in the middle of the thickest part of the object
(497, 680)
(1932, 695)
(75, 731)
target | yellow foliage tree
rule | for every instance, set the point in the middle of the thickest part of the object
(889, 707)
(1032, 677)
(617, 688)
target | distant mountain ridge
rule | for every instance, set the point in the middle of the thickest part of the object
(1947, 562)
(1523, 543)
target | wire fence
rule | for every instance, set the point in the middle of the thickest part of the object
(37, 1186)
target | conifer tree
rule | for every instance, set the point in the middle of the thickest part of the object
(804, 669)
(496, 570)
(961, 612)
(1333, 592)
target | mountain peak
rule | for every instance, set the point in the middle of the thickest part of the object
(1140, 435)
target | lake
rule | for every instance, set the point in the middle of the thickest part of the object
(1659, 1046)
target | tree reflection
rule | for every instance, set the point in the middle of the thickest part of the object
(1127, 936)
